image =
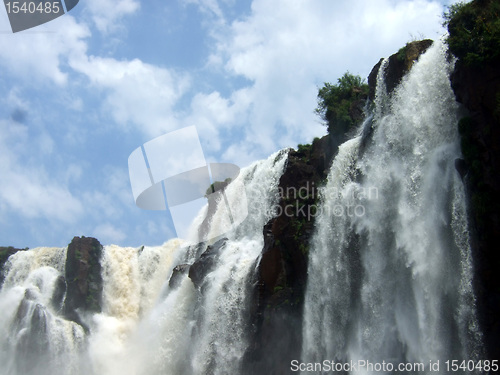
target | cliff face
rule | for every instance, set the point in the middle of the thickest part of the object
(474, 38)
(399, 64)
(478, 89)
(80, 289)
(282, 270)
(5, 253)
(83, 277)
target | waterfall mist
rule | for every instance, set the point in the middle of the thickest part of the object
(392, 280)
(147, 326)
(389, 263)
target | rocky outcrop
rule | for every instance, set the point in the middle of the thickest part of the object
(474, 36)
(282, 270)
(399, 64)
(177, 273)
(5, 253)
(57, 300)
(83, 277)
(477, 87)
(33, 340)
(205, 263)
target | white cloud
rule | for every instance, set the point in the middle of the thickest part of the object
(282, 49)
(208, 6)
(41, 54)
(27, 189)
(214, 116)
(138, 93)
(107, 13)
(107, 233)
(287, 49)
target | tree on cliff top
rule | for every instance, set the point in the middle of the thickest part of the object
(474, 30)
(338, 103)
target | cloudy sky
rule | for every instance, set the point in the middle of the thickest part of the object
(80, 93)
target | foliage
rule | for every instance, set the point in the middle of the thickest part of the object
(402, 53)
(474, 30)
(335, 101)
(304, 149)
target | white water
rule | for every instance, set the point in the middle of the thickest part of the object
(146, 327)
(33, 339)
(389, 274)
(397, 285)
(220, 339)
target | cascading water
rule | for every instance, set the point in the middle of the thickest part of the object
(389, 275)
(390, 270)
(146, 326)
(220, 339)
(33, 338)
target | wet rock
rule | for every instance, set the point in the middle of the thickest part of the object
(205, 262)
(5, 253)
(281, 277)
(461, 167)
(57, 299)
(177, 273)
(478, 89)
(83, 277)
(399, 64)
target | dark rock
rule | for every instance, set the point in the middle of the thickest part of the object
(372, 80)
(57, 299)
(461, 167)
(205, 262)
(477, 87)
(282, 270)
(23, 309)
(5, 253)
(204, 228)
(83, 277)
(32, 344)
(399, 64)
(177, 272)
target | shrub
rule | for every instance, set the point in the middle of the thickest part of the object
(474, 30)
(335, 101)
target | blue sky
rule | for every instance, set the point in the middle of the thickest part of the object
(80, 93)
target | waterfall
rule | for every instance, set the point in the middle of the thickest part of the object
(146, 326)
(389, 264)
(390, 270)
(221, 334)
(33, 338)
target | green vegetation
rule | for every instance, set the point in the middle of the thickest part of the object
(474, 30)
(402, 53)
(277, 288)
(336, 102)
(304, 149)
